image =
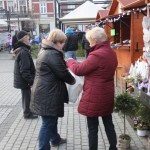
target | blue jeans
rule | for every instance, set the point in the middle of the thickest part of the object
(9, 48)
(70, 54)
(48, 132)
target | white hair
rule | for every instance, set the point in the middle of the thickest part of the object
(97, 34)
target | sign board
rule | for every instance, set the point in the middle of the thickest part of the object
(112, 32)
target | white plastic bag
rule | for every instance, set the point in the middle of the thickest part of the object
(75, 90)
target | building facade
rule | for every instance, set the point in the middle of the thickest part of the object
(43, 16)
(16, 13)
(38, 16)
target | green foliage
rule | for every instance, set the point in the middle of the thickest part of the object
(139, 77)
(142, 126)
(129, 80)
(125, 136)
(34, 50)
(144, 113)
(126, 104)
(80, 51)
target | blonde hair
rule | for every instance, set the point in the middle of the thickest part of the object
(56, 35)
(97, 34)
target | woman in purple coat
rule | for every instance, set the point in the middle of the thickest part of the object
(98, 91)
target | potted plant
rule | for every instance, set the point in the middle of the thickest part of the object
(142, 129)
(144, 115)
(129, 79)
(127, 105)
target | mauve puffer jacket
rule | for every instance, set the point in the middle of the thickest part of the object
(98, 90)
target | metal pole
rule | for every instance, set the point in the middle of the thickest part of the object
(8, 20)
(55, 13)
(59, 15)
(18, 23)
(18, 17)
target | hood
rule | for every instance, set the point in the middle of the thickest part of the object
(69, 31)
(46, 44)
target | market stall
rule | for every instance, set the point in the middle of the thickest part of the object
(124, 29)
(84, 14)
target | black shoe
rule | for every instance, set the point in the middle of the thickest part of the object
(62, 141)
(31, 116)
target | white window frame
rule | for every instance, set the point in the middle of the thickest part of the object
(71, 6)
(1, 4)
(43, 7)
(10, 7)
(22, 7)
(24, 3)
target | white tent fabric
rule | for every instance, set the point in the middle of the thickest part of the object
(85, 13)
(3, 23)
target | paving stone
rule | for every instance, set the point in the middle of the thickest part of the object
(16, 133)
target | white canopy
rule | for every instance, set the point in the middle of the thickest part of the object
(3, 23)
(85, 13)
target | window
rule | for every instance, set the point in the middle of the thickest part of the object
(121, 30)
(44, 29)
(1, 5)
(43, 8)
(22, 2)
(22, 5)
(23, 9)
(125, 28)
(10, 6)
(71, 6)
(117, 32)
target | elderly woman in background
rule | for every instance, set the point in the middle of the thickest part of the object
(49, 92)
(98, 90)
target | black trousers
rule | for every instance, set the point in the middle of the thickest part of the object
(26, 96)
(93, 124)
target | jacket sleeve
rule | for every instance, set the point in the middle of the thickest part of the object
(25, 68)
(13, 42)
(65, 48)
(58, 66)
(85, 67)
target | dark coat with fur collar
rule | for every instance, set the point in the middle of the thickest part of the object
(49, 92)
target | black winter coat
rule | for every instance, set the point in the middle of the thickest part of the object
(24, 69)
(85, 43)
(49, 92)
(14, 41)
(71, 43)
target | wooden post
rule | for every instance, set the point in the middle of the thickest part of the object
(132, 37)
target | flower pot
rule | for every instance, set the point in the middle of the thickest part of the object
(141, 132)
(123, 143)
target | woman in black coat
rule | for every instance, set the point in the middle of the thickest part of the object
(49, 92)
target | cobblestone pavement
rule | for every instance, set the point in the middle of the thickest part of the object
(16, 133)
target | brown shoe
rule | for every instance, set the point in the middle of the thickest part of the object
(62, 141)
